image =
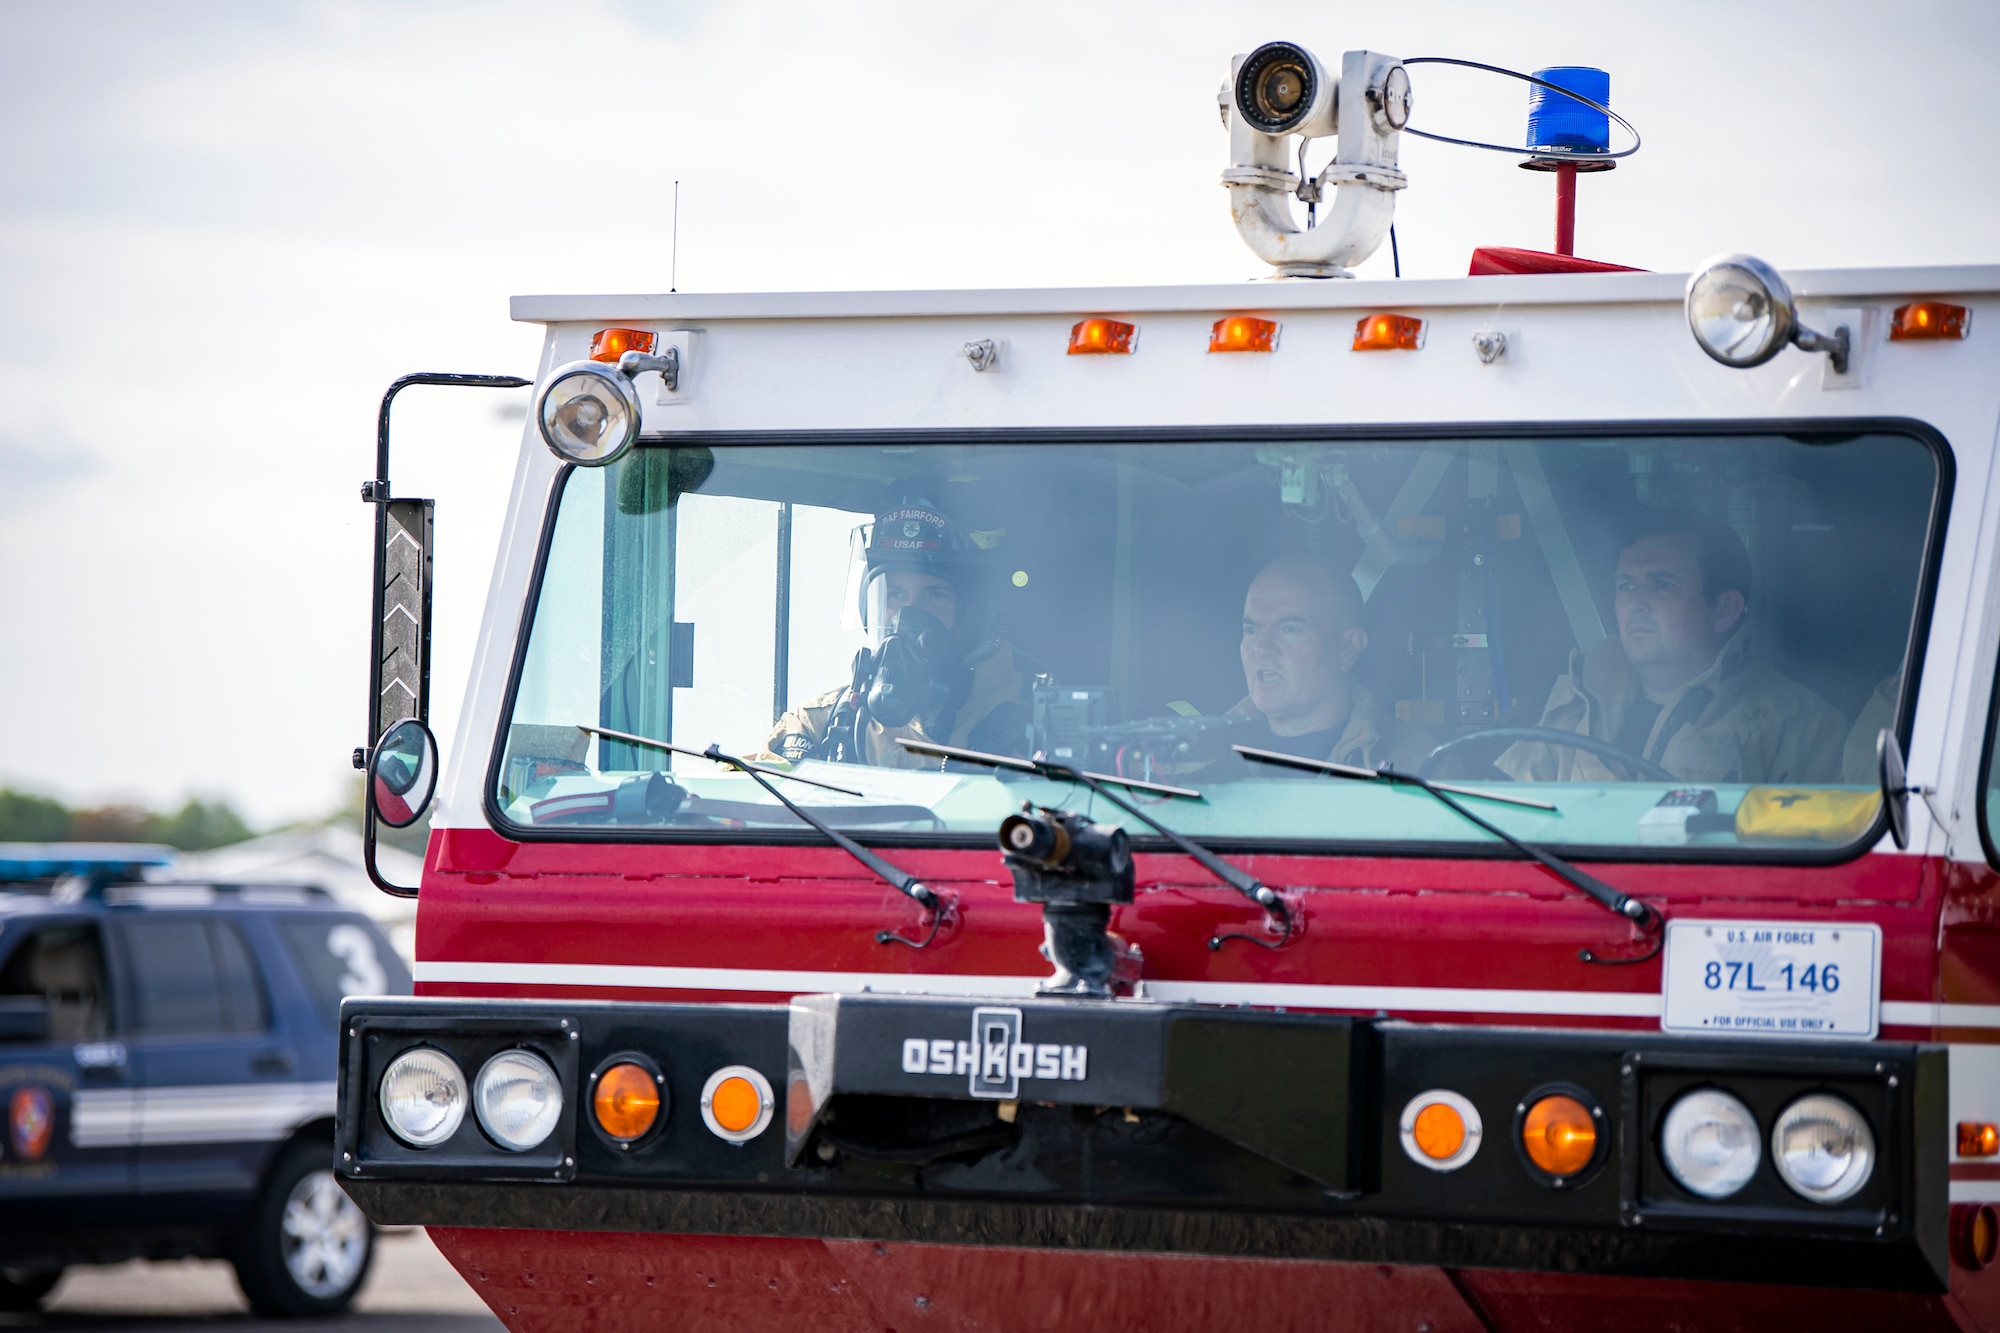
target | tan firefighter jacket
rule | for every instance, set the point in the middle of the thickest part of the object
(996, 680)
(1739, 721)
(1370, 739)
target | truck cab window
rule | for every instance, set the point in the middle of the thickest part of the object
(1666, 634)
(64, 965)
(1989, 782)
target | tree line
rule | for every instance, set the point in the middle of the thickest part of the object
(197, 826)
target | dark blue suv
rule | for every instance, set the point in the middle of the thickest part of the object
(167, 1062)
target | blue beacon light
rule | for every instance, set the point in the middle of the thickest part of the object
(1571, 131)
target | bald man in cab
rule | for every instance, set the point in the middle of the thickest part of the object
(1303, 632)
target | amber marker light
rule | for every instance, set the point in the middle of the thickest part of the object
(1559, 1134)
(1102, 337)
(736, 1103)
(1243, 333)
(610, 344)
(1922, 321)
(1389, 333)
(626, 1101)
(1440, 1130)
(1978, 1138)
(1974, 1234)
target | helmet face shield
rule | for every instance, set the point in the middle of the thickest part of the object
(877, 616)
(911, 555)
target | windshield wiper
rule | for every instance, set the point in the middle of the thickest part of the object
(905, 884)
(1596, 889)
(1246, 884)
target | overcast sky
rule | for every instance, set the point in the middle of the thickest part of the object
(224, 228)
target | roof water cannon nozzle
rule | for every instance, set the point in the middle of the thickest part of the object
(1281, 91)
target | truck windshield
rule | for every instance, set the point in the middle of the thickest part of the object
(1673, 641)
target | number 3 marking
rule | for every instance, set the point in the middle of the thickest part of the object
(364, 974)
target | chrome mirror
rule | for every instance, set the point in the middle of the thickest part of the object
(1895, 786)
(403, 773)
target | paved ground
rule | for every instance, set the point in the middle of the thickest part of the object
(410, 1288)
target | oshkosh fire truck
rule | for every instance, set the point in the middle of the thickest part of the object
(1321, 803)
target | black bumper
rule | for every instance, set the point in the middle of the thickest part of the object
(1160, 1128)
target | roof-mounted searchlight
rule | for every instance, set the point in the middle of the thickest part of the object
(1741, 312)
(1281, 91)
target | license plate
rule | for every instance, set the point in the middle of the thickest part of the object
(1773, 978)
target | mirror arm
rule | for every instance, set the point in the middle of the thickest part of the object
(376, 491)
(375, 874)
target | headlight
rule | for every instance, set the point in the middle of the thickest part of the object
(1710, 1143)
(518, 1099)
(1740, 310)
(423, 1097)
(589, 413)
(1823, 1148)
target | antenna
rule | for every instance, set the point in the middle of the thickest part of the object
(674, 271)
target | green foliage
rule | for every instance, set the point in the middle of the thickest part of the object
(28, 818)
(197, 826)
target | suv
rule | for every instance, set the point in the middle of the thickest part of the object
(167, 1062)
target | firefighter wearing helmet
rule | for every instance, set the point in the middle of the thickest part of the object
(936, 666)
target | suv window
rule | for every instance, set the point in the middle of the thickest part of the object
(65, 966)
(193, 975)
(338, 958)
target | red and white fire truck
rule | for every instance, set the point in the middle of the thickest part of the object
(1436, 804)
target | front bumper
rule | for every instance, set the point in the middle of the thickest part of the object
(1131, 1126)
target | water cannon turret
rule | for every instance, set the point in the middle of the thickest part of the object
(1281, 92)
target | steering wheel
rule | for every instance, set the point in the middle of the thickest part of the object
(1575, 740)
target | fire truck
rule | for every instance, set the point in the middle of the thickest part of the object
(1440, 804)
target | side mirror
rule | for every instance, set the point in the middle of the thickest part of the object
(403, 773)
(1895, 786)
(402, 767)
(24, 1018)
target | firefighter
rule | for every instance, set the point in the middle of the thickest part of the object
(936, 666)
(1302, 635)
(1683, 684)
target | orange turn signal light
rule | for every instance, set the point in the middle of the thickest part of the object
(1923, 320)
(1389, 333)
(1439, 1131)
(627, 1101)
(1978, 1138)
(1974, 1234)
(610, 344)
(1102, 337)
(736, 1103)
(1559, 1134)
(1243, 333)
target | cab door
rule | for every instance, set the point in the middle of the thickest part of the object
(219, 1086)
(68, 1109)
